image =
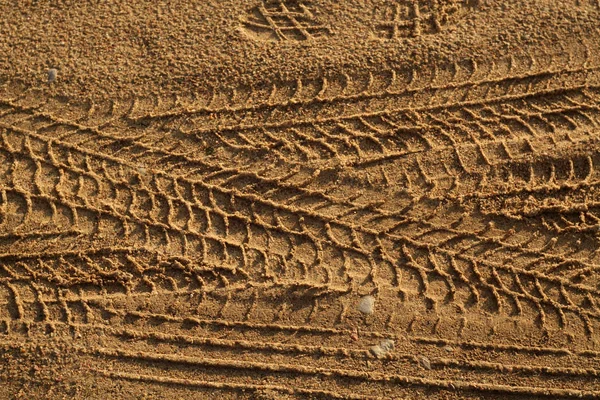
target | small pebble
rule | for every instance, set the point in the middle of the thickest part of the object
(449, 348)
(381, 349)
(387, 344)
(377, 351)
(424, 362)
(366, 304)
(52, 73)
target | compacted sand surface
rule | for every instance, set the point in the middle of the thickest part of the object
(282, 199)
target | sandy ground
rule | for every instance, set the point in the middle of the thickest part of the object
(299, 199)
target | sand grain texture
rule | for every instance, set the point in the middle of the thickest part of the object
(196, 204)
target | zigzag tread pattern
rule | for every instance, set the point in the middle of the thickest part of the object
(474, 216)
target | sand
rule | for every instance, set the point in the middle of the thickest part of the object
(195, 197)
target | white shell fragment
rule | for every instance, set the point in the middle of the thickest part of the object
(52, 73)
(424, 362)
(381, 349)
(366, 304)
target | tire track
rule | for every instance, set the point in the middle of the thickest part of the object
(185, 204)
(199, 143)
(422, 273)
(326, 355)
(280, 370)
(161, 380)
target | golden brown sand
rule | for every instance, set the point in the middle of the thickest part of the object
(299, 199)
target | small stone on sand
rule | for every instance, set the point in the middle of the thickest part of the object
(366, 304)
(52, 73)
(381, 349)
(377, 351)
(424, 362)
(387, 344)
